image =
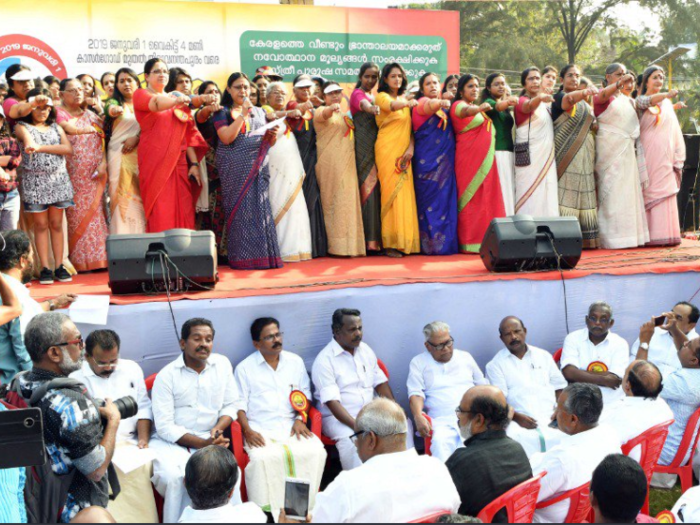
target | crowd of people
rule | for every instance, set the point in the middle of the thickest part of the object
(284, 175)
(487, 430)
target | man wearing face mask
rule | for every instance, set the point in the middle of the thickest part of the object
(275, 397)
(75, 440)
(194, 401)
(492, 463)
(107, 376)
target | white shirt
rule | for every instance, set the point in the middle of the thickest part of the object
(632, 416)
(243, 513)
(687, 508)
(389, 488)
(264, 392)
(530, 383)
(442, 385)
(614, 351)
(30, 307)
(662, 351)
(570, 465)
(127, 380)
(185, 402)
(349, 379)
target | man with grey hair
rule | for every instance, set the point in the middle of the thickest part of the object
(211, 475)
(394, 484)
(73, 433)
(595, 355)
(437, 380)
(571, 464)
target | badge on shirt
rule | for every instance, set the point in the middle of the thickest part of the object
(597, 367)
(300, 403)
(99, 131)
(666, 517)
(183, 116)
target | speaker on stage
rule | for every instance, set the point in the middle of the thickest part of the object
(523, 244)
(183, 259)
(689, 194)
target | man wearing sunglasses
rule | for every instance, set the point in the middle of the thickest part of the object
(107, 376)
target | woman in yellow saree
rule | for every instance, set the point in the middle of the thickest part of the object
(393, 153)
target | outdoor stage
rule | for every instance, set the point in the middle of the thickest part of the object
(397, 298)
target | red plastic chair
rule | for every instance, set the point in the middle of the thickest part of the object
(652, 442)
(557, 356)
(150, 380)
(689, 443)
(429, 440)
(432, 518)
(331, 442)
(519, 502)
(580, 504)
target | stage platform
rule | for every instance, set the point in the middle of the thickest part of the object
(397, 298)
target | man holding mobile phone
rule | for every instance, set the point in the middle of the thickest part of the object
(661, 339)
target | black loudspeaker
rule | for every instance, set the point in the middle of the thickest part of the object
(524, 244)
(689, 194)
(174, 261)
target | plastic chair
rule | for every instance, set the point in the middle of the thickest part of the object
(331, 442)
(519, 502)
(580, 504)
(689, 443)
(557, 356)
(652, 442)
(428, 440)
(433, 517)
(150, 380)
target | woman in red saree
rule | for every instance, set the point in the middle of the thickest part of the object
(170, 150)
(480, 199)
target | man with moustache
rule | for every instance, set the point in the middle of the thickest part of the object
(275, 397)
(491, 463)
(595, 355)
(194, 401)
(107, 376)
(531, 382)
(346, 377)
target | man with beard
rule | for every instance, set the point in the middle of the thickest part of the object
(595, 355)
(107, 376)
(75, 439)
(275, 397)
(17, 270)
(346, 376)
(194, 402)
(491, 463)
(531, 382)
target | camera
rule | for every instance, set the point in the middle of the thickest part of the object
(127, 406)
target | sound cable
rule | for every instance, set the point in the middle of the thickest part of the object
(563, 280)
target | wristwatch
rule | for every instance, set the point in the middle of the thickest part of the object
(52, 305)
(644, 346)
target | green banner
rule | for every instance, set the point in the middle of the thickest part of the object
(339, 56)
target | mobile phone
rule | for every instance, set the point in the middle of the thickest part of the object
(660, 321)
(296, 498)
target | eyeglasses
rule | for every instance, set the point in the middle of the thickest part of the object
(160, 72)
(74, 91)
(459, 411)
(356, 436)
(80, 342)
(441, 347)
(104, 365)
(602, 320)
(272, 337)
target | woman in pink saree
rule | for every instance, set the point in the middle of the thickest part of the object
(664, 148)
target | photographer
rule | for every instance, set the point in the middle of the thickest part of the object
(80, 450)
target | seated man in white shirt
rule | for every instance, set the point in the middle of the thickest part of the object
(595, 355)
(278, 440)
(211, 476)
(394, 484)
(437, 380)
(571, 464)
(107, 376)
(346, 377)
(641, 409)
(531, 382)
(194, 401)
(660, 344)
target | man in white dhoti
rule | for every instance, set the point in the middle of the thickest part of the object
(277, 438)
(194, 401)
(107, 376)
(437, 380)
(346, 376)
(532, 383)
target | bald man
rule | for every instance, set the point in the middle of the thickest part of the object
(641, 409)
(491, 463)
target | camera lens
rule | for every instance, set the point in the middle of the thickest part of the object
(127, 406)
